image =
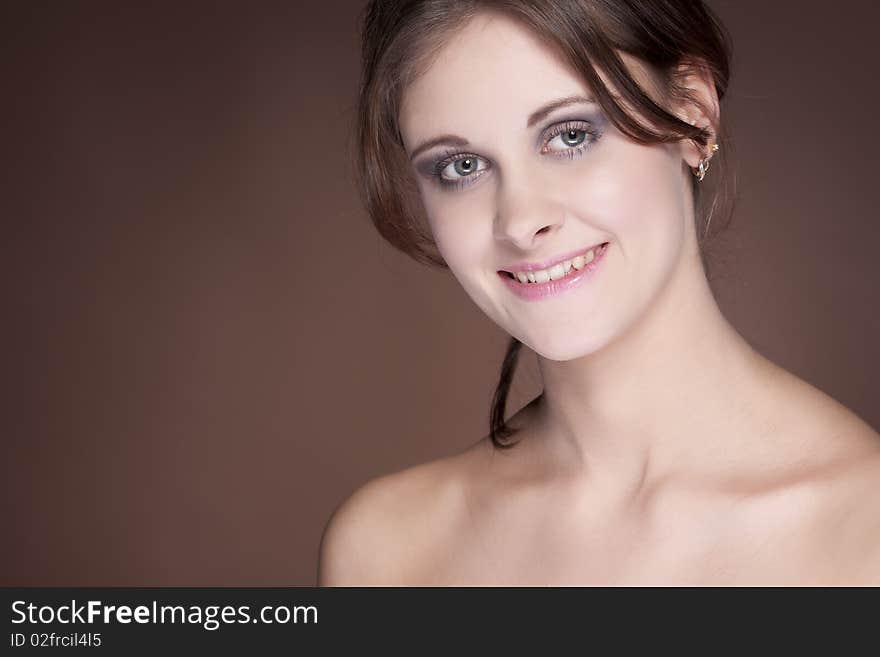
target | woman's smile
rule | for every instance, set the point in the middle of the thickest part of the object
(530, 283)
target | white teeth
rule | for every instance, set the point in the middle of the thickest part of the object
(558, 270)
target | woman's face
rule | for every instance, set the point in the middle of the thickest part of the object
(515, 173)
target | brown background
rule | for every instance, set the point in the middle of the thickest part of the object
(208, 347)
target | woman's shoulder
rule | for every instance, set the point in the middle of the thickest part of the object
(843, 488)
(393, 524)
(846, 522)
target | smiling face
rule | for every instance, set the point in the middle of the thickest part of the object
(518, 169)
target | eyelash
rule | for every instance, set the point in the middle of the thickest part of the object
(593, 133)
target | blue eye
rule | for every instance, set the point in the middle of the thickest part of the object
(460, 169)
(573, 137)
(567, 139)
(466, 166)
(570, 139)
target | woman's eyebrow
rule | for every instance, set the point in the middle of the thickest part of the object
(450, 140)
(544, 110)
(534, 117)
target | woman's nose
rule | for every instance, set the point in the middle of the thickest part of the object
(525, 214)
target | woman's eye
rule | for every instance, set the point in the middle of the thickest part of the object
(565, 140)
(462, 168)
(569, 139)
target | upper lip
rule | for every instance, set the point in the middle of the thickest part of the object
(547, 264)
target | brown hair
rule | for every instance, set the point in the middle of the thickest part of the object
(671, 38)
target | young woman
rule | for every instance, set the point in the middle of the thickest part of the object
(553, 155)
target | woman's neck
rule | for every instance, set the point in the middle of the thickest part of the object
(678, 393)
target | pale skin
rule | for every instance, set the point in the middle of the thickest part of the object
(664, 450)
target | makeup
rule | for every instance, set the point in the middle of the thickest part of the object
(534, 291)
(566, 138)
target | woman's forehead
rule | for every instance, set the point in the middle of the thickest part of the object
(489, 65)
(490, 69)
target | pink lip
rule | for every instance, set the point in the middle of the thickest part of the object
(537, 266)
(535, 291)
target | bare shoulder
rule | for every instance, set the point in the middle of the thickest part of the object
(837, 489)
(391, 528)
(848, 494)
(848, 527)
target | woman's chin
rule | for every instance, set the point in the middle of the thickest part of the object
(563, 348)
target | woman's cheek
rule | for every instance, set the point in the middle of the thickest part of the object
(627, 195)
(459, 228)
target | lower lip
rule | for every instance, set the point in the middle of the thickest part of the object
(536, 291)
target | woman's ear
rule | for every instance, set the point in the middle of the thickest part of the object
(697, 105)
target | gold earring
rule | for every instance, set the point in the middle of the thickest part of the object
(700, 173)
